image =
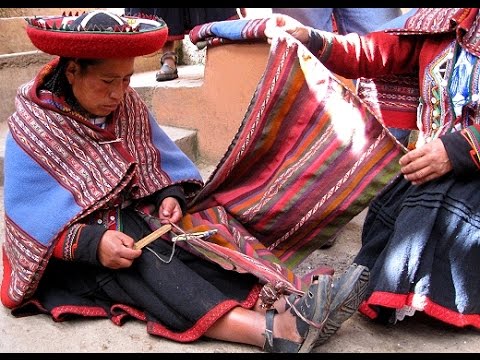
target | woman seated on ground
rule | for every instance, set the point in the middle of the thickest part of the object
(87, 166)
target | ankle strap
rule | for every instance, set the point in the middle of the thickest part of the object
(269, 315)
(169, 55)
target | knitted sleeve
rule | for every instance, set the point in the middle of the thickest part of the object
(463, 149)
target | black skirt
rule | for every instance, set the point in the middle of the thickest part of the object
(179, 299)
(422, 245)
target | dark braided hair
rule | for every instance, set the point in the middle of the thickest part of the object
(58, 84)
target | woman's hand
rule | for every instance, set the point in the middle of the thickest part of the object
(170, 211)
(281, 22)
(115, 250)
(426, 163)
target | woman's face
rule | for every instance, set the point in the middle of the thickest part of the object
(99, 89)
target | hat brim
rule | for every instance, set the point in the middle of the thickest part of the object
(98, 44)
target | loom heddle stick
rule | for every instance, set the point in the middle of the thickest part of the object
(152, 237)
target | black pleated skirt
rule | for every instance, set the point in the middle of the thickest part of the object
(422, 245)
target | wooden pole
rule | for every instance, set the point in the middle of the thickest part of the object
(152, 237)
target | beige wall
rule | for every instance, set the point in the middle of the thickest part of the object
(216, 108)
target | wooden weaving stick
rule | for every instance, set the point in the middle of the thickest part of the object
(152, 237)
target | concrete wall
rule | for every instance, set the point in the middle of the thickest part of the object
(16, 69)
(217, 107)
(21, 12)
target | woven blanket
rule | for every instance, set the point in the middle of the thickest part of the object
(308, 156)
(228, 31)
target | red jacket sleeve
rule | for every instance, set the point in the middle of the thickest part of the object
(374, 55)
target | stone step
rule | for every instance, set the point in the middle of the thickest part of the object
(189, 77)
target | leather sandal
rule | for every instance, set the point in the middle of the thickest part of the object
(166, 71)
(273, 344)
(348, 293)
(311, 311)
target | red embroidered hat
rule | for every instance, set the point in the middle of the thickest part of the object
(97, 34)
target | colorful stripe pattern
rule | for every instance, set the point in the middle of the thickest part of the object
(308, 157)
(431, 20)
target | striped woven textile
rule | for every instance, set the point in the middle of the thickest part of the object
(308, 157)
(228, 31)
